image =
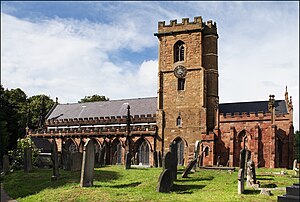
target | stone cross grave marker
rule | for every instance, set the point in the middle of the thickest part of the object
(164, 181)
(88, 163)
(241, 181)
(54, 158)
(27, 159)
(189, 168)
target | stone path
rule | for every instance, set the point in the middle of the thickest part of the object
(5, 197)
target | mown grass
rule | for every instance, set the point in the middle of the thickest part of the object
(114, 183)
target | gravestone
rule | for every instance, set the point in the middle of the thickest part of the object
(196, 152)
(242, 159)
(167, 161)
(88, 161)
(6, 169)
(247, 157)
(218, 161)
(155, 159)
(295, 168)
(76, 161)
(241, 181)
(251, 175)
(54, 158)
(136, 158)
(165, 181)
(101, 157)
(159, 159)
(66, 158)
(174, 161)
(128, 157)
(27, 159)
(189, 168)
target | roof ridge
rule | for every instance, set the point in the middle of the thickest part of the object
(248, 102)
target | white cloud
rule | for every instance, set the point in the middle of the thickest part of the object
(258, 50)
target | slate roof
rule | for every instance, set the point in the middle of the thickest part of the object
(138, 106)
(257, 106)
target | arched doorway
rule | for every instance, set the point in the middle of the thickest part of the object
(116, 152)
(179, 150)
(143, 152)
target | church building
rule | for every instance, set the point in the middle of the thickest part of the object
(186, 112)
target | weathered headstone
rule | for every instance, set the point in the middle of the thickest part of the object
(27, 159)
(159, 159)
(155, 159)
(196, 152)
(101, 157)
(76, 161)
(6, 169)
(88, 161)
(165, 181)
(54, 158)
(189, 168)
(167, 161)
(128, 157)
(251, 175)
(247, 157)
(241, 181)
(66, 159)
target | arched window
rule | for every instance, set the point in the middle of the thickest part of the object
(144, 153)
(181, 82)
(178, 121)
(179, 51)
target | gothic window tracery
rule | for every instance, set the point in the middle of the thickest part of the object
(179, 51)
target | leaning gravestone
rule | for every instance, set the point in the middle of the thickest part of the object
(54, 158)
(189, 168)
(88, 162)
(27, 159)
(165, 181)
(241, 181)
(5, 164)
(128, 160)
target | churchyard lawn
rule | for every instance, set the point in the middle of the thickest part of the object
(114, 183)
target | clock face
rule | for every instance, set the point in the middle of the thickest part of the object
(180, 71)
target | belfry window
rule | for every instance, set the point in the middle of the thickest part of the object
(181, 82)
(178, 121)
(179, 51)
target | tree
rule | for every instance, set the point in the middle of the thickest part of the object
(38, 105)
(93, 98)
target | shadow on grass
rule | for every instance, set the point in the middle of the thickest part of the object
(264, 178)
(188, 179)
(133, 184)
(40, 179)
(185, 189)
(272, 185)
(251, 192)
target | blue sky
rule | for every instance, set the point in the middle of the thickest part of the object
(72, 49)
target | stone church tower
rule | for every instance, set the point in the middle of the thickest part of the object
(187, 84)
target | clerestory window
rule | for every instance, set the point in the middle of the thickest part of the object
(179, 51)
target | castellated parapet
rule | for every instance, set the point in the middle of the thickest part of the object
(186, 26)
